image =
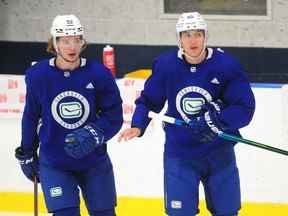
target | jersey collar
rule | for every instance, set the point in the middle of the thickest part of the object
(209, 53)
(83, 62)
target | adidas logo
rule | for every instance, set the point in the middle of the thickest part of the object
(215, 81)
(90, 86)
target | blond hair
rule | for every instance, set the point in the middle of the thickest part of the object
(51, 49)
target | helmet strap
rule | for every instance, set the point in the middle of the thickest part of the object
(196, 59)
(59, 54)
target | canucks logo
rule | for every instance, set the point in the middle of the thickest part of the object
(70, 109)
(189, 101)
(192, 106)
(56, 192)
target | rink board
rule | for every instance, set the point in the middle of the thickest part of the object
(12, 203)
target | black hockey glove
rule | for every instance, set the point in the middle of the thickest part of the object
(208, 125)
(28, 162)
(83, 141)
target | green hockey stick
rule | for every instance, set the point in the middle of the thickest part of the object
(223, 135)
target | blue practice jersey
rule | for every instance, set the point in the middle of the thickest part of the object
(64, 101)
(186, 88)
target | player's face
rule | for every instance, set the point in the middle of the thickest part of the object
(192, 42)
(70, 47)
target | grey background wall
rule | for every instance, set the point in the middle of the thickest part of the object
(140, 30)
(138, 22)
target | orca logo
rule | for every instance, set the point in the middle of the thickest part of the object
(77, 107)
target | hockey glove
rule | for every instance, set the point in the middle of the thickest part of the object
(207, 126)
(28, 162)
(83, 141)
(213, 106)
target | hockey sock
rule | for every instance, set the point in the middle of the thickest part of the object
(107, 212)
(73, 211)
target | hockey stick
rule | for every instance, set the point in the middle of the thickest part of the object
(35, 183)
(223, 135)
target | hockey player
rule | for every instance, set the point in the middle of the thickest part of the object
(209, 90)
(80, 109)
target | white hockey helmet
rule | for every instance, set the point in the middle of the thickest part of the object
(66, 25)
(191, 21)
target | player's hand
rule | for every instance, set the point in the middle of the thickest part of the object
(208, 126)
(83, 141)
(28, 162)
(129, 134)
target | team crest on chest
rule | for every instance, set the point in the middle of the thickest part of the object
(70, 109)
(191, 106)
(189, 101)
